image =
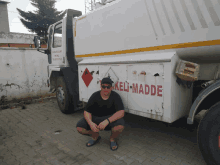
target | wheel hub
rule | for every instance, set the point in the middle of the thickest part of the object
(60, 94)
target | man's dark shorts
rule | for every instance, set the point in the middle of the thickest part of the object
(83, 123)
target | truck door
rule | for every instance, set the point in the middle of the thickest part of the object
(57, 52)
(146, 88)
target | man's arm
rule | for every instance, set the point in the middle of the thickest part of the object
(89, 109)
(88, 117)
(117, 115)
(119, 108)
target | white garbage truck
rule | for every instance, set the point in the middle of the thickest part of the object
(163, 56)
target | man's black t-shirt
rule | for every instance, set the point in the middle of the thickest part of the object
(99, 107)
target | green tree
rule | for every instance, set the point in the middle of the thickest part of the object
(39, 20)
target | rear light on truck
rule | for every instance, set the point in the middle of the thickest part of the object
(187, 71)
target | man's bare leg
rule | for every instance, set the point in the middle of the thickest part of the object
(83, 131)
(115, 132)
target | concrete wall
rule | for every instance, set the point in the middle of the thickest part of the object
(23, 73)
(16, 38)
(4, 25)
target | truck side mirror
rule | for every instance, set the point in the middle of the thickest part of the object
(37, 42)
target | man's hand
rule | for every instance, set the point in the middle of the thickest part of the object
(94, 127)
(103, 124)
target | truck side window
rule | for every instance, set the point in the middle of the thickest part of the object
(57, 38)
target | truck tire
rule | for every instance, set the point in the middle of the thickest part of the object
(209, 134)
(64, 98)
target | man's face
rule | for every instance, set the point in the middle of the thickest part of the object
(106, 88)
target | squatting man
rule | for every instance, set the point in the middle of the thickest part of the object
(104, 111)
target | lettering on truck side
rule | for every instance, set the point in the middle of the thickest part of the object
(139, 88)
(57, 51)
(56, 59)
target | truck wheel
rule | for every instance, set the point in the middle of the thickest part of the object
(209, 135)
(63, 97)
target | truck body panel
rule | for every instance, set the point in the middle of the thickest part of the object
(146, 35)
(146, 25)
(146, 83)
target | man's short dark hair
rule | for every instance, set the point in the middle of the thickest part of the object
(106, 80)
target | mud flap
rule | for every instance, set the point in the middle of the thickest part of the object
(71, 73)
(72, 83)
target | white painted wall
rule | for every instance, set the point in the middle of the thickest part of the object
(23, 73)
(16, 38)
